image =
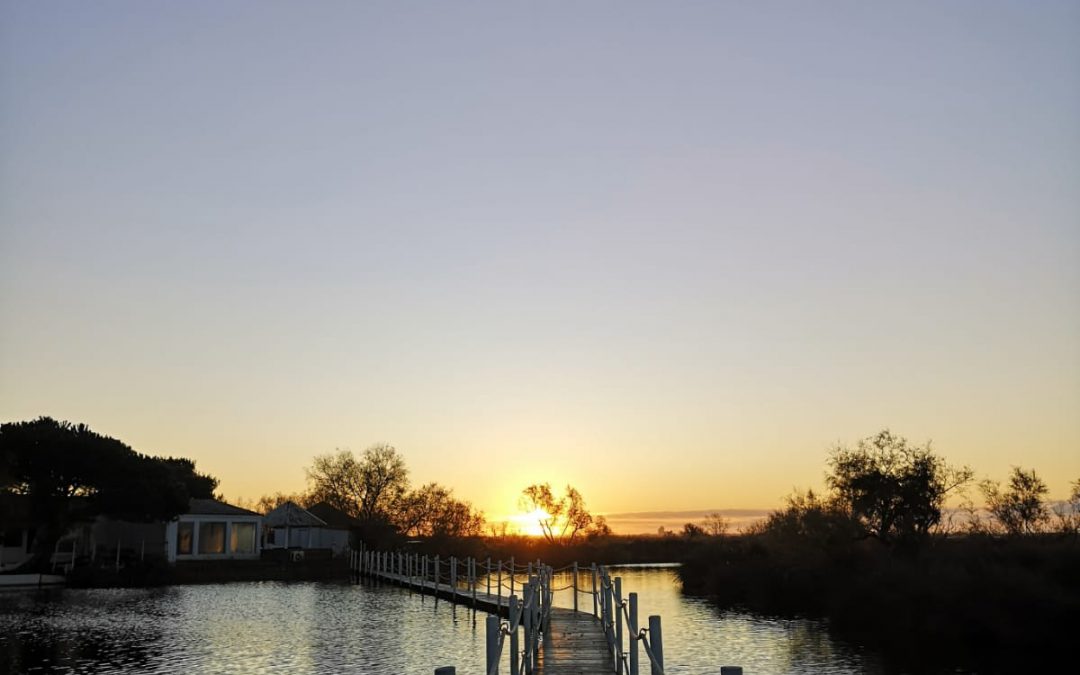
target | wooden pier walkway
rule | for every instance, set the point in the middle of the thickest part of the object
(543, 639)
(574, 645)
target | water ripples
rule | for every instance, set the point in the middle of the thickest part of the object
(326, 628)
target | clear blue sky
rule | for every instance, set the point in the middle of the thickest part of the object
(693, 243)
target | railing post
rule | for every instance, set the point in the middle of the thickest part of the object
(472, 576)
(526, 615)
(618, 627)
(487, 569)
(544, 598)
(511, 575)
(656, 641)
(453, 577)
(594, 591)
(730, 670)
(435, 575)
(500, 584)
(634, 635)
(446, 670)
(515, 656)
(575, 587)
(534, 646)
(493, 626)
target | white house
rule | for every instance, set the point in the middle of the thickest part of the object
(213, 530)
(290, 526)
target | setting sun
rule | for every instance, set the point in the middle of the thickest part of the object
(529, 523)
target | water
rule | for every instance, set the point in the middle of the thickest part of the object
(699, 638)
(327, 628)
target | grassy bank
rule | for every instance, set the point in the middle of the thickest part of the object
(981, 603)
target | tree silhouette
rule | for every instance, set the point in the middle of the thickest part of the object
(566, 516)
(894, 488)
(70, 473)
(1021, 509)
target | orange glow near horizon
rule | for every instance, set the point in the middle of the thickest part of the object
(528, 524)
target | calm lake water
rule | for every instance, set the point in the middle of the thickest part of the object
(327, 628)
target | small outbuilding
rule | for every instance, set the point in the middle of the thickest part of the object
(294, 527)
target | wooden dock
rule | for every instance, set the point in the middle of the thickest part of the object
(538, 638)
(574, 645)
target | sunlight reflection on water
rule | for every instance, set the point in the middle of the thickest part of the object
(323, 628)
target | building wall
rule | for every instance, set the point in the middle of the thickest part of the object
(214, 537)
(309, 538)
(15, 544)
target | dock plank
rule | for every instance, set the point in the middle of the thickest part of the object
(575, 645)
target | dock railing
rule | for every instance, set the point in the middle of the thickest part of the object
(528, 615)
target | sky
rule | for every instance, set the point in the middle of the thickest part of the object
(669, 253)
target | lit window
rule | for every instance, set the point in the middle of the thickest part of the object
(212, 538)
(242, 538)
(184, 534)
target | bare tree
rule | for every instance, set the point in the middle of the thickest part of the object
(268, 503)
(1021, 509)
(1068, 512)
(369, 488)
(716, 524)
(566, 517)
(432, 510)
(600, 528)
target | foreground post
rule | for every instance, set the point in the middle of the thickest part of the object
(618, 626)
(534, 644)
(446, 670)
(633, 635)
(493, 625)
(594, 596)
(515, 666)
(575, 587)
(656, 641)
(526, 615)
(730, 670)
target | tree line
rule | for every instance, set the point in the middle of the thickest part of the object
(375, 489)
(70, 474)
(889, 489)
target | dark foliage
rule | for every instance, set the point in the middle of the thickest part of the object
(71, 473)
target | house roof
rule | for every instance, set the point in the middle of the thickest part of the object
(334, 518)
(212, 507)
(291, 515)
